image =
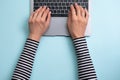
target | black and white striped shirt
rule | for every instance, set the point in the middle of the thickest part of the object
(24, 66)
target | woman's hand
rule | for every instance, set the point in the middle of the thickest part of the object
(77, 21)
(39, 22)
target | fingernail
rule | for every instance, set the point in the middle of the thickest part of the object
(76, 4)
(44, 6)
(71, 5)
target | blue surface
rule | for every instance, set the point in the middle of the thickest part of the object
(55, 58)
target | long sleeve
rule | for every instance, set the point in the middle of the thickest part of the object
(86, 69)
(24, 66)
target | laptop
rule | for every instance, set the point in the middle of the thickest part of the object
(59, 12)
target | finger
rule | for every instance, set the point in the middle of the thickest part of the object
(69, 19)
(86, 14)
(83, 12)
(69, 16)
(48, 18)
(73, 12)
(35, 14)
(45, 14)
(80, 10)
(39, 10)
(31, 16)
(42, 11)
(77, 9)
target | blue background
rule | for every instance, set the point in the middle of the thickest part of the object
(55, 58)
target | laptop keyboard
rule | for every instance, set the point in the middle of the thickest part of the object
(59, 8)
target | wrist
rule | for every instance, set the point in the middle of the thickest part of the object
(77, 36)
(34, 37)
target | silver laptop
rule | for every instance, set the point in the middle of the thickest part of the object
(59, 9)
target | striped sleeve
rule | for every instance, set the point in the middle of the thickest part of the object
(86, 69)
(24, 66)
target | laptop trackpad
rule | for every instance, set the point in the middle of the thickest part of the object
(58, 26)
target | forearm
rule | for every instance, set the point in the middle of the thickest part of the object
(86, 69)
(24, 66)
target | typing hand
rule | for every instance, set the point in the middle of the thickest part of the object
(39, 22)
(77, 21)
